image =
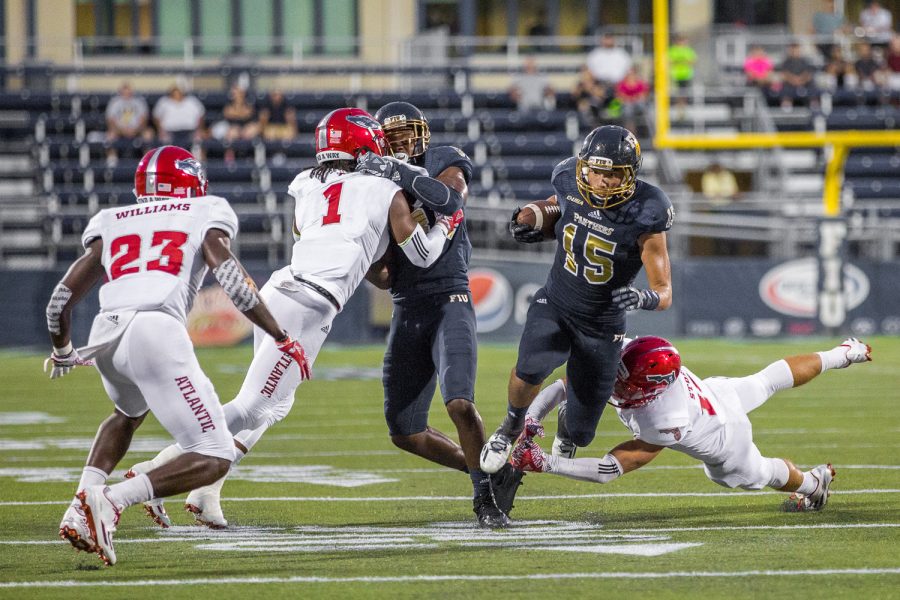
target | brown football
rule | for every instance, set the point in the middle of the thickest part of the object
(549, 214)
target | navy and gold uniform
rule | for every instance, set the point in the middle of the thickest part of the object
(432, 336)
(572, 317)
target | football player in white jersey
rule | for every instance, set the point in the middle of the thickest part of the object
(154, 255)
(666, 406)
(343, 221)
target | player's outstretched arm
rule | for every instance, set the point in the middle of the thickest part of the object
(444, 194)
(655, 256)
(422, 249)
(78, 280)
(241, 289)
(634, 454)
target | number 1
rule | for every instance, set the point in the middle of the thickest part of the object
(333, 195)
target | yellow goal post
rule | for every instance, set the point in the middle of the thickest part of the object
(840, 142)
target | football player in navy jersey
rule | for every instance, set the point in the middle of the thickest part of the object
(432, 337)
(610, 225)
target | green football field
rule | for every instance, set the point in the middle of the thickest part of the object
(325, 506)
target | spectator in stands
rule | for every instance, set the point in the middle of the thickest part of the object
(797, 85)
(719, 185)
(240, 115)
(681, 60)
(892, 58)
(632, 93)
(126, 122)
(608, 63)
(871, 73)
(837, 70)
(758, 68)
(277, 118)
(540, 28)
(827, 24)
(178, 118)
(531, 89)
(877, 24)
(591, 97)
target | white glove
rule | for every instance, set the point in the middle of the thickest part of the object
(64, 360)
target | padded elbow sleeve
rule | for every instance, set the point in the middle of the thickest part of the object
(58, 300)
(436, 195)
(240, 289)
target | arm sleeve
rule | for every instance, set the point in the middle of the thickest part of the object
(423, 249)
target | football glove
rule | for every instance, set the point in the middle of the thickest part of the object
(372, 164)
(629, 298)
(292, 347)
(524, 233)
(449, 224)
(63, 360)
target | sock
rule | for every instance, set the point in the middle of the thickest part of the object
(131, 491)
(836, 358)
(481, 482)
(780, 473)
(547, 400)
(810, 484)
(602, 470)
(167, 454)
(89, 476)
(514, 422)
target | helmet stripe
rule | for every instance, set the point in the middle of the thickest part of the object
(150, 182)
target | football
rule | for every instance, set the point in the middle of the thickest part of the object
(541, 214)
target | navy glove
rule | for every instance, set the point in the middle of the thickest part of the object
(630, 298)
(524, 233)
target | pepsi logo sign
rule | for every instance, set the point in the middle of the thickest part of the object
(493, 298)
(791, 288)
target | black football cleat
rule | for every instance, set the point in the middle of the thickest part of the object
(504, 485)
(487, 513)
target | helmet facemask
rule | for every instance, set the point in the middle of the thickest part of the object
(408, 138)
(604, 197)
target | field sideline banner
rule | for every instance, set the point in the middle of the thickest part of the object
(732, 297)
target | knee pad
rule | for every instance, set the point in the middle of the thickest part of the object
(278, 411)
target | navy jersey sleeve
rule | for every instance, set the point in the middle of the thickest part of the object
(658, 214)
(563, 181)
(441, 158)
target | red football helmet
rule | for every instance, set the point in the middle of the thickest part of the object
(170, 172)
(345, 133)
(649, 365)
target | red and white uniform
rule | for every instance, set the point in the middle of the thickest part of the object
(707, 419)
(343, 229)
(154, 267)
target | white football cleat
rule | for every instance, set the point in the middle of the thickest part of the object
(857, 351)
(563, 448)
(102, 516)
(204, 503)
(495, 453)
(74, 529)
(815, 501)
(156, 508)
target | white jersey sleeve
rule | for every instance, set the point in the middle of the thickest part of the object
(663, 422)
(220, 216)
(92, 231)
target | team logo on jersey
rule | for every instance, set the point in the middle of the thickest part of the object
(675, 431)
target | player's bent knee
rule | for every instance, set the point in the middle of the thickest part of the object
(462, 411)
(407, 443)
(214, 468)
(581, 437)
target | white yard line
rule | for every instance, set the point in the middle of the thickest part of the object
(435, 578)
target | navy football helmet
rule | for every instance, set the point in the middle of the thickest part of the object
(406, 129)
(609, 150)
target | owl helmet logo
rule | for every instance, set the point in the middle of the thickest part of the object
(666, 378)
(191, 166)
(631, 140)
(364, 121)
